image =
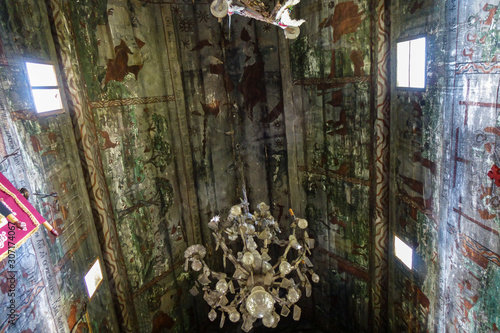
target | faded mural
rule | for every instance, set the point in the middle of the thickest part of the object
(171, 112)
(40, 154)
(331, 63)
(443, 145)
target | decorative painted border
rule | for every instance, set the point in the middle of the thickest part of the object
(380, 228)
(338, 80)
(478, 68)
(90, 156)
(131, 101)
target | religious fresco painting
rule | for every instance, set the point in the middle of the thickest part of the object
(474, 129)
(169, 113)
(445, 148)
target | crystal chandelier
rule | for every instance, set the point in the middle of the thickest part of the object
(254, 287)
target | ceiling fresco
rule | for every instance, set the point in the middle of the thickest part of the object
(170, 112)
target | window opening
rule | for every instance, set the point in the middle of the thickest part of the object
(411, 63)
(93, 278)
(403, 252)
(44, 88)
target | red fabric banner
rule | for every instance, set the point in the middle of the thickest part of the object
(11, 236)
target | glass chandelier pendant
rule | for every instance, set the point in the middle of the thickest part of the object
(256, 286)
(260, 303)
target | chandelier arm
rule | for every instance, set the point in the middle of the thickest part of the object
(275, 277)
(279, 300)
(237, 264)
(226, 250)
(285, 253)
(237, 300)
(206, 265)
(220, 240)
(244, 240)
(240, 266)
(301, 276)
(244, 202)
(277, 263)
(217, 241)
(279, 242)
(307, 249)
(232, 259)
(299, 259)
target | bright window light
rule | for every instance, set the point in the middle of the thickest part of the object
(403, 61)
(93, 278)
(411, 63)
(41, 74)
(403, 252)
(44, 88)
(47, 100)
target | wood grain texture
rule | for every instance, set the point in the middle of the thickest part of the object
(91, 162)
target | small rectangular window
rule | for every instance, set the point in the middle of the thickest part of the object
(411, 63)
(44, 88)
(403, 252)
(93, 278)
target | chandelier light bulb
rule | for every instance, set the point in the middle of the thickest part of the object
(235, 210)
(234, 316)
(250, 229)
(196, 265)
(285, 267)
(302, 223)
(266, 267)
(247, 258)
(260, 303)
(221, 286)
(269, 320)
(315, 278)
